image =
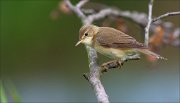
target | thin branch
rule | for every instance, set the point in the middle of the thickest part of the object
(88, 11)
(81, 3)
(103, 13)
(76, 9)
(146, 42)
(94, 75)
(166, 15)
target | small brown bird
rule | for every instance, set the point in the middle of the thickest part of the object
(111, 42)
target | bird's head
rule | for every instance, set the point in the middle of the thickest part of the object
(86, 34)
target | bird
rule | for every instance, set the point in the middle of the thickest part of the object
(112, 43)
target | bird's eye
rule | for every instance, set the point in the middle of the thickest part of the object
(86, 34)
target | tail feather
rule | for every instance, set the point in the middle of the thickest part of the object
(150, 53)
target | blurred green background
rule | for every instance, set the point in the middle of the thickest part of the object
(39, 58)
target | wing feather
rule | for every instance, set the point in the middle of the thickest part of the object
(109, 37)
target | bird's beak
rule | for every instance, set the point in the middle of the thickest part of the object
(78, 42)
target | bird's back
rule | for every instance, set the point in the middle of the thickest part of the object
(110, 37)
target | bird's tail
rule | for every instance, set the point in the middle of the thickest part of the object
(150, 53)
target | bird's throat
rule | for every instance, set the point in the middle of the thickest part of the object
(88, 41)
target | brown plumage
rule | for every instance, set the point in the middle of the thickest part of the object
(109, 37)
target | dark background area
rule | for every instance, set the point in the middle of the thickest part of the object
(38, 55)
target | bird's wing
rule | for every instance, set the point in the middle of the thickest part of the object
(109, 37)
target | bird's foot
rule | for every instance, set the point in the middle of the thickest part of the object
(117, 63)
(111, 65)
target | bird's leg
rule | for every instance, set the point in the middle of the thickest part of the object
(110, 65)
(118, 63)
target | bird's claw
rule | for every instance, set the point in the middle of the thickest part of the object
(111, 65)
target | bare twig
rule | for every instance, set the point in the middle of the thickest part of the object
(76, 9)
(85, 75)
(81, 3)
(166, 15)
(94, 75)
(146, 42)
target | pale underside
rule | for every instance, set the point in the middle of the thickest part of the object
(115, 53)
